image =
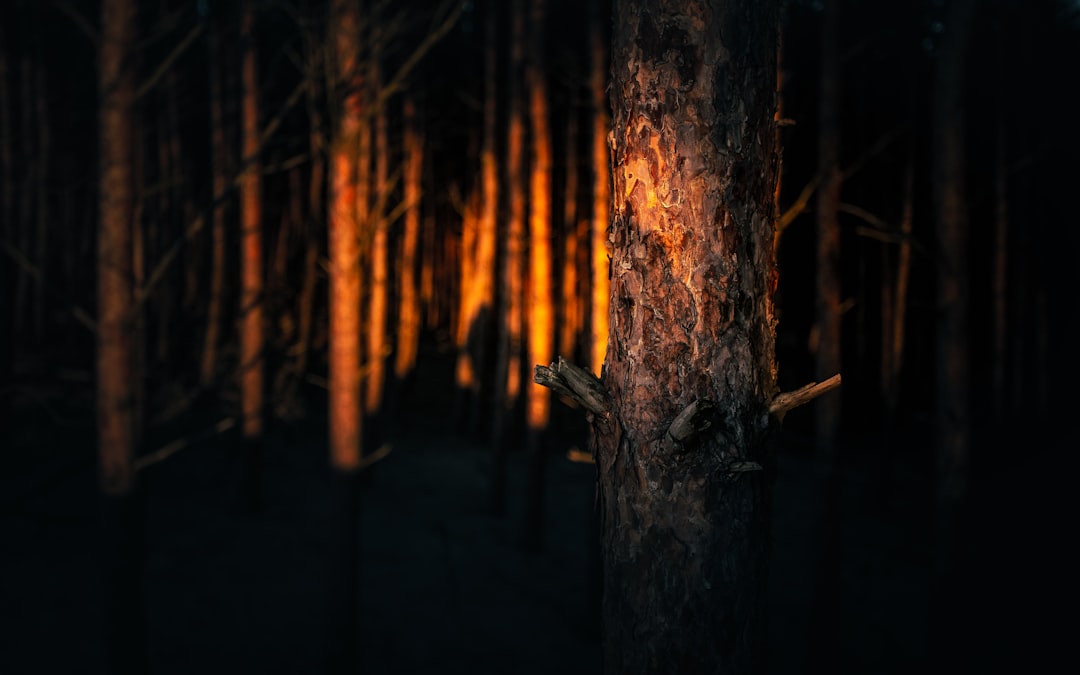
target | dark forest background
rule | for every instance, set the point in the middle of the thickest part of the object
(1020, 96)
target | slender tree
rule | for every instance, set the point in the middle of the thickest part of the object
(348, 196)
(826, 342)
(116, 427)
(951, 372)
(252, 295)
(601, 211)
(379, 254)
(508, 359)
(408, 335)
(540, 308)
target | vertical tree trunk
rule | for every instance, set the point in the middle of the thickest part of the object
(508, 361)
(346, 154)
(685, 529)
(115, 392)
(41, 189)
(541, 319)
(601, 212)
(569, 314)
(484, 263)
(827, 342)
(408, 334)
(952, 305)
(218, 158)
(252, 296)
(7, 193)
(1000, 268)
(375, 369)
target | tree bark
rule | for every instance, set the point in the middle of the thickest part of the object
(375, 369)
(684, 515)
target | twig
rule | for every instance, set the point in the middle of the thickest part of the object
(179, 444)
(793, 399)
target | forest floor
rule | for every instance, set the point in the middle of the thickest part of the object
(444, 585)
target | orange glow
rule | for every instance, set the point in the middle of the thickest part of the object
(344, 253)
(469, 292)
(252, 332)
(541, 313)
(601, 216)
(409, 306)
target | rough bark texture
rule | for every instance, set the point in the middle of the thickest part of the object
(684, 532)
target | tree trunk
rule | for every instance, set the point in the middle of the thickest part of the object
(375, 369)
(601, 210)
(252, 296)
(508, 360)
(685, 517)
(347, 152)
(952, 305)
(827, 320)
(408, 335)
(540, 309)
(208, 366)
(122, 510)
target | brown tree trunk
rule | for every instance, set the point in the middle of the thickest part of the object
(508, 359)
(208, 365)
(569, 314)
(377, 345)
(684, 512)
(252, 295)
(7, 224)
(827, 338)
(408, 333)
(115, 294)
(116, 434)
(347, 153)
(601, 211)
(952, 306)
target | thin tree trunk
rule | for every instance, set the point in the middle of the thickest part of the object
(377, 345)
(484, 263)
(952, 304)
(121, 516)
(541, 320)
(408, 334)
(601, 210)
(569, 319)
(1001, 270)
(685, 529)
(508, 360)
(252, 295)
(345, 414)
(41, 188)
(7, 212)
(218, 157)
(828, 300)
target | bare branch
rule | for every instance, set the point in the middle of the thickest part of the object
(80, 21)
(179, 444)
(169, 60)
(793, 399)
(80, 314)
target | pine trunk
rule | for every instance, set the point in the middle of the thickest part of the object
(684, 515)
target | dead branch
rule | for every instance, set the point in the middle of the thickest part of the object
(793, 399)
(179, 444)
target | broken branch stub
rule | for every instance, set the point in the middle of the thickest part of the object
(574, 383)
